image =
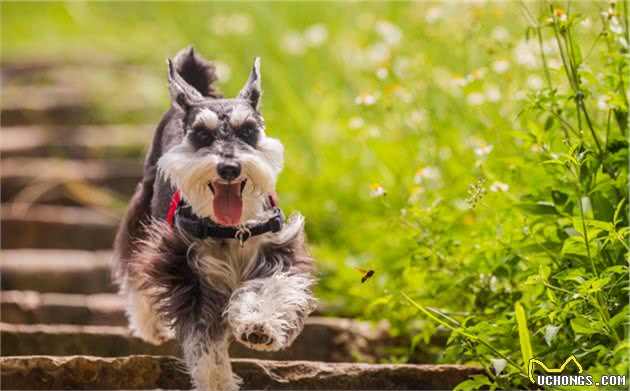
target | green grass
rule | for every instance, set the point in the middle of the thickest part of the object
(464, 93)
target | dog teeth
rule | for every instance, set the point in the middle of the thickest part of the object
(211, 188)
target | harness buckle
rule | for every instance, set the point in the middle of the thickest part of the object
(242, 234)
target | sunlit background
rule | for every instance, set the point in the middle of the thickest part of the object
(389, 113)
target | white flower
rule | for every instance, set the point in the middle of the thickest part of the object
(477, 74)
(316, 35)
(459, 81)
(401, 67)
(603, 103)
(586, 23)
(241, 24)
(538, 147)
(475, 99)
(374, 132)
(378, 53)
(493, 94)
(418, 116)
(235, 24)
(293, 43)
(535, 82)
(356, 122)
(365, 98)
(615, 26)
(433, 14)
(554, 63)
(223, 71)
(525, 54)
(382, 72)
(498, 186)
(391, 34)
(376, 190)
(483, 149)
(430, 173)
(499, 365)
(550, 333)
(500, 34)
(501, 66)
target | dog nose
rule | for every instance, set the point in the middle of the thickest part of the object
(229, 170)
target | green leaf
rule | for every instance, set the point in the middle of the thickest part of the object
(477, 382)
(548, 123)
(621, 317)
(539, 208)
(523, 334)
(585, 326)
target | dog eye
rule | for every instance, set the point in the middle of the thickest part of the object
(201, 135)
(248, 133)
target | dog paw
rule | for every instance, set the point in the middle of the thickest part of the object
(259, 337)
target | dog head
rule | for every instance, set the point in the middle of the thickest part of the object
(225, 165)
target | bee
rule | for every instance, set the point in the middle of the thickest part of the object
(367, 274)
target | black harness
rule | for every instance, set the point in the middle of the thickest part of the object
(203, 228)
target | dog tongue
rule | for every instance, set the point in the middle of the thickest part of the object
(227, 203)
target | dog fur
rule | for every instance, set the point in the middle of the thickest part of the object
(209, 292)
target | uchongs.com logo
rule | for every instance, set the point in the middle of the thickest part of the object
(556, 377)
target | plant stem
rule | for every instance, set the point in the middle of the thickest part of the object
(463, 333)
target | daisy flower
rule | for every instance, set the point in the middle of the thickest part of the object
(483, 149)
(376, 191)
(365, 98)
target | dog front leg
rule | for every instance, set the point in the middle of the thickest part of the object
(209, 363)
(268, 313)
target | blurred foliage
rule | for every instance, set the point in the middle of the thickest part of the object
(474, 154)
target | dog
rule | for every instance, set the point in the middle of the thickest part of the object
(203, 252)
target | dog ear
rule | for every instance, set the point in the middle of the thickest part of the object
(252, 90)
(182, 93)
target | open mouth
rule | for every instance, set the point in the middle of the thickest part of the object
(228, 201)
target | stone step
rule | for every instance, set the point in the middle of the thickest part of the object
(27, 70)
(83, 142)
(56, 227)
(101, 309)
(78, 103)
(60, 271)
(323, 339)
(80, 279)
(30, 307)
(151, 372)
(52, 104)
(48, 179)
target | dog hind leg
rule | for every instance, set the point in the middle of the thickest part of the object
(143, 320)
(208, 362)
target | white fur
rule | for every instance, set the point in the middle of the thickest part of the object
(143, 320)
(236, 262)
(208, 118)
(274, 305)
(239, 115)
(209, 364)
(191, 171)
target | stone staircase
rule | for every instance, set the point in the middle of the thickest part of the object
(65, 176)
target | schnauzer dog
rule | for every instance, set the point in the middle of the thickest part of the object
(203, 251)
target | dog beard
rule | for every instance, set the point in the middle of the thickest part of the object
(194, 173)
